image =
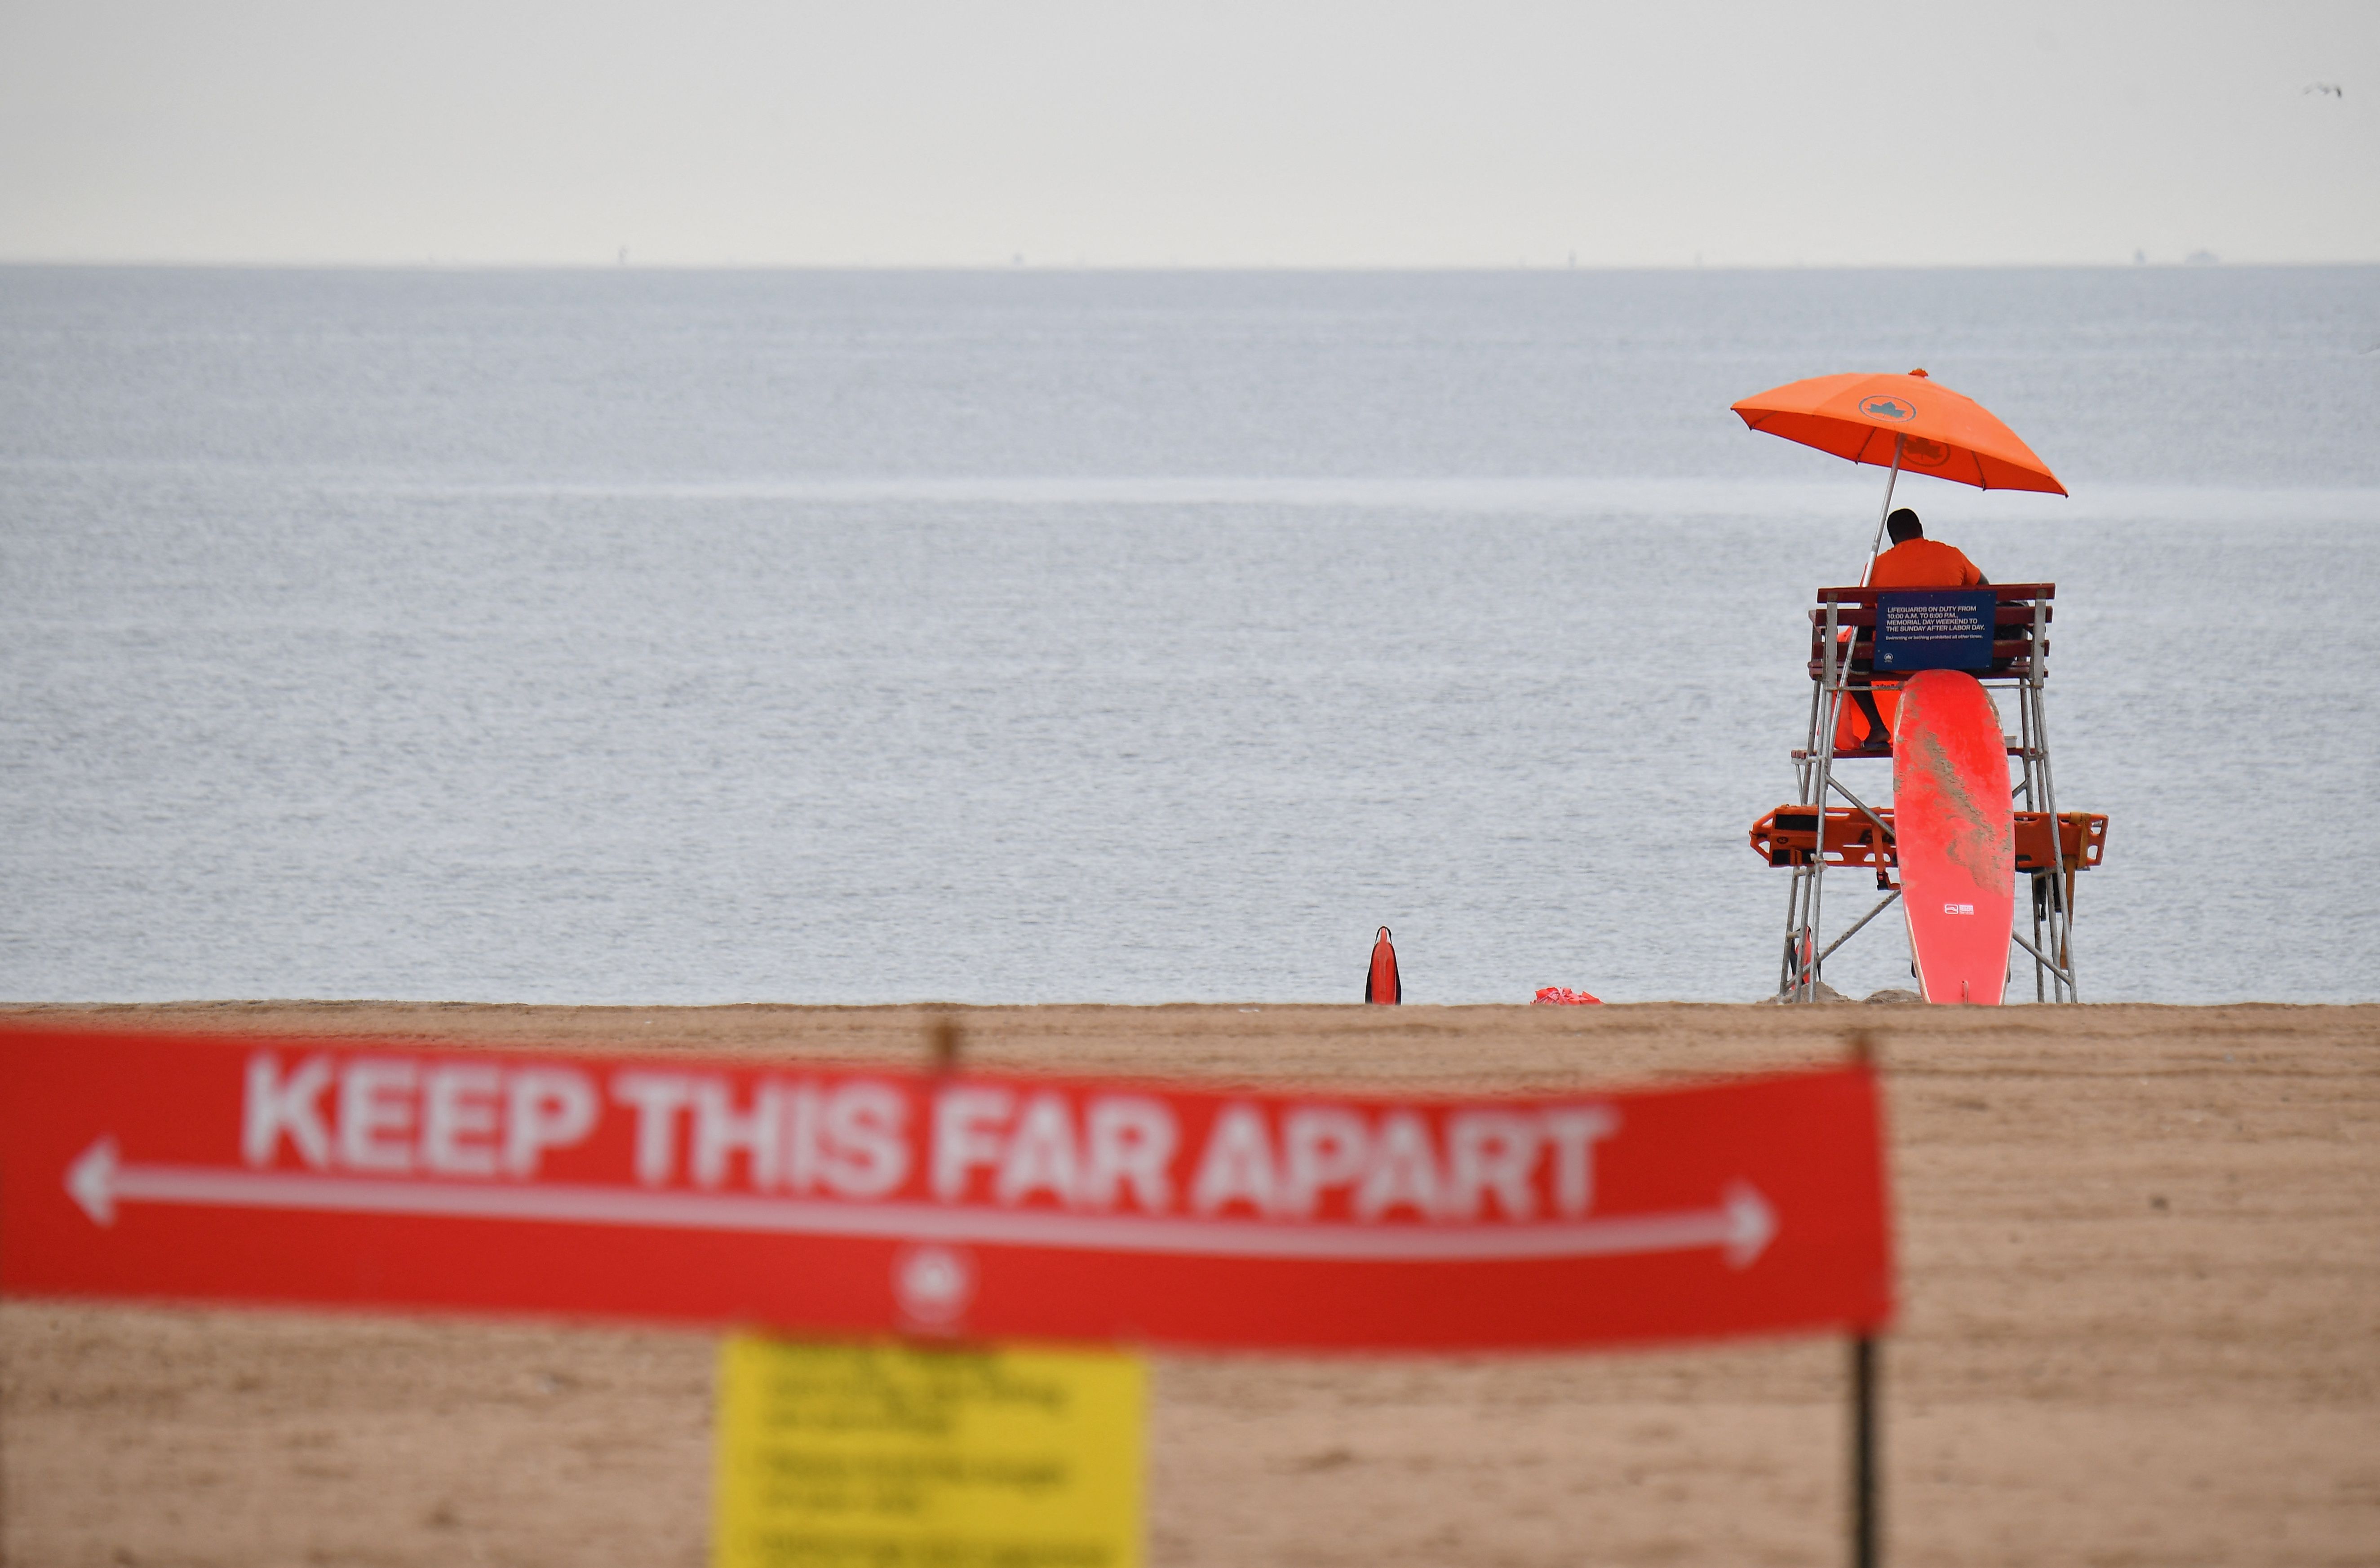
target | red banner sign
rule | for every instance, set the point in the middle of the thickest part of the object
(859, 1200)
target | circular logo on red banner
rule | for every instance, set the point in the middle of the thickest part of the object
(934, 1283)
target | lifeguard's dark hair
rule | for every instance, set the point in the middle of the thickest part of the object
(1903, 526)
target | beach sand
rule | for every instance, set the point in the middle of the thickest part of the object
(2139, 1251)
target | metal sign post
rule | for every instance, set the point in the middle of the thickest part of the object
(1864, 1522)
(1863, 1516)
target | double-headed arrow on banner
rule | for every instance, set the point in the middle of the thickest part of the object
(1740, 1226)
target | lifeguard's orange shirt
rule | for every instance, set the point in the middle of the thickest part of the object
(1923, 563)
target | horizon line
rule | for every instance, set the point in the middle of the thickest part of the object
(2200, 263)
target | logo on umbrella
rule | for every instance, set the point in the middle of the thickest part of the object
(1888, 408)
(1919, 453)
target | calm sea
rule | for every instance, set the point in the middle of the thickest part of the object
(1032, 635)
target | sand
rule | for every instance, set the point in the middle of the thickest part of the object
(2140, 1257)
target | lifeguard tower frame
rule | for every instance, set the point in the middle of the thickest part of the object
(1813, 834)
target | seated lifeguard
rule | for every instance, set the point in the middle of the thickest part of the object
(1914, 561)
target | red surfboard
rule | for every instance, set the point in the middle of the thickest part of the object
(1955, 828)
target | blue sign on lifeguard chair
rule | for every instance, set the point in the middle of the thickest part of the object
(1935, 629)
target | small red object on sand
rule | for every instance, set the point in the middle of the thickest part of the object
(1562, 996)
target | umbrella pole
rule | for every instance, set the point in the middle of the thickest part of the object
(1889, 481)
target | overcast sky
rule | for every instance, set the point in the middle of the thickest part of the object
(1379, 134)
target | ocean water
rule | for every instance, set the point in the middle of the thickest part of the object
(1034, 636)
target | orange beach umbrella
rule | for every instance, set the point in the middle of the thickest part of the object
(1908, 421)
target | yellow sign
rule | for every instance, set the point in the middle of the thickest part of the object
(887, 1456)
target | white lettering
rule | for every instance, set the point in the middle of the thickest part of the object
(659, 1097)
(1403, 1170)
(1238, 1166)
(276, 1105)
(966, 1124)
(801, 1137)
(1041, 1154)
(1322, 1146)
(719, 1130)
(866, 1148)
(544, 1108)
(1575, 1130)
(1490, 1152)
(376, 1097)
(459, 1111)
(1131, 1143)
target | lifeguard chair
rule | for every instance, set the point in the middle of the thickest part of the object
(2050, 849)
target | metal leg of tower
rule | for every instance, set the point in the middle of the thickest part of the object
(2032, 897)
(1807, 940)
(2037, 896)
(2066, 951)
(1809, 749)
(2062, 923)
(1786, 964)
(2049, 929)
(1831, 669)
(2024, 746)
(1798, 963)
